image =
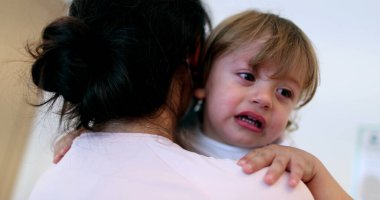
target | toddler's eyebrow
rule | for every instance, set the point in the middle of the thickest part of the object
(252, 64)
(294, 80)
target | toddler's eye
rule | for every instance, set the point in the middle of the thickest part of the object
(285, 92)
(247, 76)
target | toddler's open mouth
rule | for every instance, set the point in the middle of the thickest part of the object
(251, 121)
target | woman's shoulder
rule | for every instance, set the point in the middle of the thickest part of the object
(224, 179)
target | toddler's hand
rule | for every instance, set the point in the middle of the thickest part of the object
(62, 146)
(299, 163)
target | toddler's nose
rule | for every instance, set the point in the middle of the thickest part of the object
(262, 98)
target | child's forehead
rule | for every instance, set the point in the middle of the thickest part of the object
(250, 53)
(250, 45)
(248, 50)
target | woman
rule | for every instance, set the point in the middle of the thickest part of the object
(123, 69)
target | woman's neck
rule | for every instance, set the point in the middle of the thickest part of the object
(162, 124)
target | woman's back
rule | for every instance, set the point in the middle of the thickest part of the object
(144, 166)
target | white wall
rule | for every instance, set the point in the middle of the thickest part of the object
(346, 36)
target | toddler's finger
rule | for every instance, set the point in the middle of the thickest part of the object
(275, 170)
(249, 156)
(58, 155)
(254, 162)
(296, 174)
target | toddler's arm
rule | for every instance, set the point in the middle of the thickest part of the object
(64, 144)
(301, 166)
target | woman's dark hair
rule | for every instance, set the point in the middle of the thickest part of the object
(114, 59)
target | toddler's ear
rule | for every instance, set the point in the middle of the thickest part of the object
(200, 93)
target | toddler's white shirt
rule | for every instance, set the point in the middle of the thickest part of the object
(196, 141)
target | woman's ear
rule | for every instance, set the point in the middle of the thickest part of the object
(200, 93)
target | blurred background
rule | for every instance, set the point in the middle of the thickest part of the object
(341, 125)
(21, 21)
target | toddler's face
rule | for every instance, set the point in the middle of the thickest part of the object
(244, 105)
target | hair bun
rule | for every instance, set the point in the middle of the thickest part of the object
(60, 65)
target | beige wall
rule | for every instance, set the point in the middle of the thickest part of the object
(20, 21)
